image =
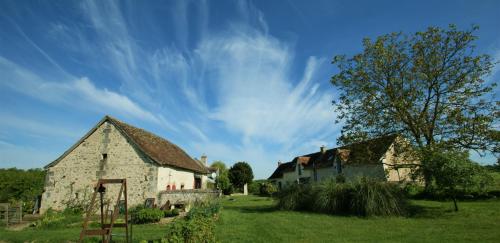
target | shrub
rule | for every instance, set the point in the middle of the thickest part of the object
(228, 190)
(254, 187)
(142, 215)
(53, 219)
(454, 174)
(333, 198)
(267, 189)
(191, 230)
(295, 197)
(372, 197)
(171, 213)
(365, 197)
(340, 178)
(204, 210)
(197, 226)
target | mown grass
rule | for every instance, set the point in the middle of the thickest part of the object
(71, 234)
(255, 219)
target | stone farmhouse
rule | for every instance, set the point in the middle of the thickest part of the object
(154, 167)
(388, 158)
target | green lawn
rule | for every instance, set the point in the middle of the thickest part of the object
(71, 234)
(254, 219)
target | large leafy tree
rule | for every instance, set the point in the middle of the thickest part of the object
(428, 86)
(240, 174)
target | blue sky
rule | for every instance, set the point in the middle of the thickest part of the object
(236, 80)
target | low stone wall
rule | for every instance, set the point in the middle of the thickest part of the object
(186, 196)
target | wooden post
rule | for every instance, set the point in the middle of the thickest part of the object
(7, 215)
(20, 212)
(126, 211)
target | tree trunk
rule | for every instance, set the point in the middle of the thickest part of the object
(455, 203)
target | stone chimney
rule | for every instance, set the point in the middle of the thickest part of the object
(322, 149)
(279, 163)
(203, 160)
(343, 154)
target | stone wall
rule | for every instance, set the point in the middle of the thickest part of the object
(400, 161)
(186, 196)
(75, 175)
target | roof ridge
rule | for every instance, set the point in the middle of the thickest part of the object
(122, 127)
(153, 146)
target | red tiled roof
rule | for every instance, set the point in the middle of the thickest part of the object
(156, 148)
(365, 152)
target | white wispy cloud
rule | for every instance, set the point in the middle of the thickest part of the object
(244, 71)
(77, 92)
(234, 96)
(256, 96)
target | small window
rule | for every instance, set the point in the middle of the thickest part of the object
(182, 186)
(76, 195)
(104, 157)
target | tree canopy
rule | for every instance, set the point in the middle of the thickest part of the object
(454, 173)
(429, 86)
(21, 185)
(240, 174)
(222, 180)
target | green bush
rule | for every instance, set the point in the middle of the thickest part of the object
(142, 215)
(365, 197)
(295, 197)
(197, 229)
(228, 190)
(197, 226)
(267, 189)
(171, 213)
(254, 187)
(204, 210)
(53, 219)
(78, 205)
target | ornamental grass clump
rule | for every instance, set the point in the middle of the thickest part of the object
(333, 198)
(295, 197)
(363, 197)
(377, 198)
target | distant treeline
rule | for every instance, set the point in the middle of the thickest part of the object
(21, 185)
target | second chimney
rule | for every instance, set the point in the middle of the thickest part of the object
(203, 160)
(322, 149)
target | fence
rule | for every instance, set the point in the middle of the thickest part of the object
(11, 214)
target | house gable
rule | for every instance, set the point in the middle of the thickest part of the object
(151, 146)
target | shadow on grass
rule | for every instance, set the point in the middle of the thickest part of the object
(420, 211)
(253, 209)
(413, 211)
